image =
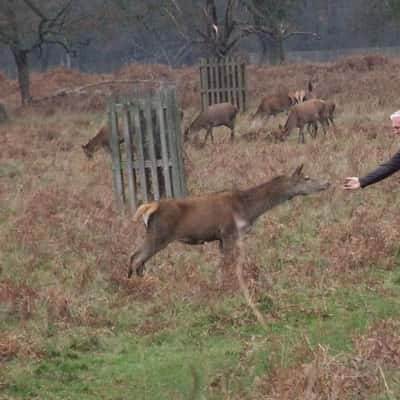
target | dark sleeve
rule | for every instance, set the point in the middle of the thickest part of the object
(382, 171)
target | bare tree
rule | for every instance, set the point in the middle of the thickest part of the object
(27, 25)
(202, 25)
(271, 23)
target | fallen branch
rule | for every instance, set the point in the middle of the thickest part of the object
(82, 89)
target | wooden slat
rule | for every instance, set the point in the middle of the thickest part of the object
(147, 164)
(164, 144)
(221, 81)
(118, 179)
(234, 83)
(150, 131)
(209, 87)
(203, 84)
(140, 151)
(173, 142)
(127, 134)
(244, 85)
(179, 145)
(214, 70)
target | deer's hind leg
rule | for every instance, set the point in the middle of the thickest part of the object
(138, 259)
(301, 135)
(325, 125)
(313, 129)
(208, 133)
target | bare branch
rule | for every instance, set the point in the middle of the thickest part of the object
(35, 9)
(313, 34)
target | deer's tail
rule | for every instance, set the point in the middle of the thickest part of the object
(145, 211)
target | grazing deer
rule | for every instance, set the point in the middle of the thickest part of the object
(309, 112)
(100, 140)
(222, 114)
(279, 102)
(329, 110)
(221, 217)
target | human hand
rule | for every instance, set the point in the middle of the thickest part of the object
(351, 183)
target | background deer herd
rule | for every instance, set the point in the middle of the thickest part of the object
(304, 110)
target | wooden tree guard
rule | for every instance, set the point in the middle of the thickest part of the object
(223, 80)
(146, 147)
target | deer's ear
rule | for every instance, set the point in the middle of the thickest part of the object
(298, 170)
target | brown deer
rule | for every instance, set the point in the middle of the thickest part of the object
(309, 112)
(329, 111)
(221, 217)
(100, 141)
(276, 103)
(222, 114)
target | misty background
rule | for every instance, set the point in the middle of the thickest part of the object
(122, 32)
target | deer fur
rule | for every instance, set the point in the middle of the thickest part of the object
(222, 217)
(308, 112)
(329, 111)
(99, 141)
(276, 103)
(222, 114)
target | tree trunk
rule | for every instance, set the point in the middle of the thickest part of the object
(265, 45)
(277, 55)
(21, 60)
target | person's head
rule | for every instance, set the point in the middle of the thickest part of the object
(395, 117)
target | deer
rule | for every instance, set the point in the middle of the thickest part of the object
(329, 111)
(100, 140)
(223, 216)
(309, 112)
(222, 114)
(276, 103)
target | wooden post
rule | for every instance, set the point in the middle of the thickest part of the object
(118, 179)
(142, 118)
(162, 119)
(222, 80)
(140, 151)
(127, 135)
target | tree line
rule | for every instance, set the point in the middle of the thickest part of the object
(179, 31)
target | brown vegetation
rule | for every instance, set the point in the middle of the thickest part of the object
(64, 245)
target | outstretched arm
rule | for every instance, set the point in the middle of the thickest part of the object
(382, 171)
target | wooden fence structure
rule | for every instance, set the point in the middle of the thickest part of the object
(146, 147)
(223, 80)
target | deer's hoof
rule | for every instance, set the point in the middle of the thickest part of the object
(140, 271)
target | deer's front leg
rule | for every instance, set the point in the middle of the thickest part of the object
(143, 254)
(301, 135)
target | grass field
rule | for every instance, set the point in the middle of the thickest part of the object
(323, 270)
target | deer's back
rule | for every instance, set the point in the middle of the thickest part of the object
(204, 216)
(274, 103)
(215, 115)
(309, 111)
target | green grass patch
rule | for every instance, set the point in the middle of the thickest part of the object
(201, 344)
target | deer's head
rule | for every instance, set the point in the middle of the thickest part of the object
(301, 184)
(88, 150)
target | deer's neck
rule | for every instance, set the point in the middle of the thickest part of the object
(259, 199)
